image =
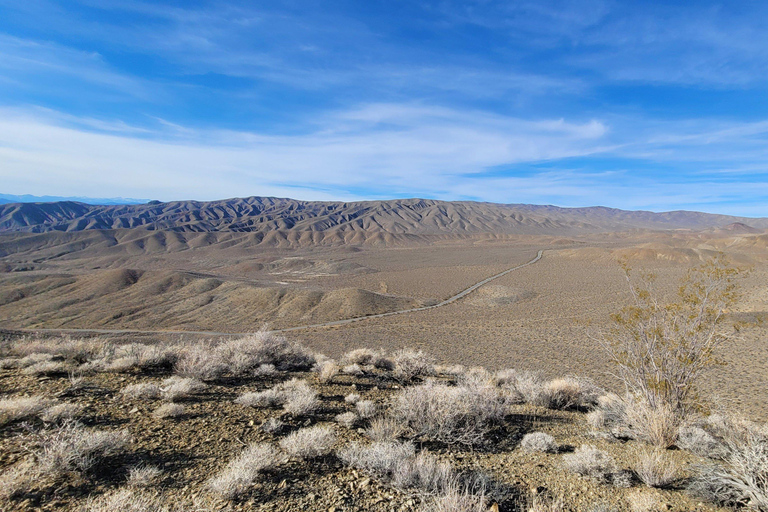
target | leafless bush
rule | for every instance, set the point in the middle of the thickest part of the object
(384, 428)
(452, 415)
(79, 350)
(126, 500)
(61, 412)
(352, 398)
(591, 462)
(656, 469)
(14, 409)
(267, 398)
(169, 411)
(309, 442)
(360, 356)
(657, 426)
(742, 476)
(140, 356)
(201, 362)
(48, 368)
(144, 476)
(366, 409)
(35, 358)
(700, 442)
(8, 363)
(410, 364)
(347, 419)
(539, 442)
(380, 459)
(327, 371)
(540, 503)
(177, 388)
(643, 502)
(142, 391)
(239, 475)
(457, 499)
(353, 369)
(72, 447)
(272, 425)
(299, 398)
(265, 370)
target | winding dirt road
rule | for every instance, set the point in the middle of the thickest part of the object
(447, 301)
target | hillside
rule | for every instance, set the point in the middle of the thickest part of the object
(395, 217)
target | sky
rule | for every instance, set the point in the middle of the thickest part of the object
(634, 105)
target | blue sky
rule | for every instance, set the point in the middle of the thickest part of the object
(635, 105)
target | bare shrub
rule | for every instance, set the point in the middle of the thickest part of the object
(590, 462)
(380, 459)
(327, 371)
(267, 398)
(609, 413)
(459, 500)
(539, 442)
(177, 388)
(61, 412)
(245, 354)
(142, 391)
(9, 363)
(15, 409)
(201, 362)
(352, 398)
(359, 356)
(125, 500)
(310, 442)
(72, 447)
(384, 428)
(452, 415)
(168, 411)
(35, 358)
(347, 419)
(17, 480)
(657, 425)
(700, 442)
(741, 479)
(265, 370)
(353, 369)
(144, 476)
(239, 475)
(272, 425)
(643, 502)
(48, 368)
(540, 503)
(656, 469)
(366, 409)
(410, 364)
(660, 349)
(299, 398)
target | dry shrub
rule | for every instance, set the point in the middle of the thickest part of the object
(140, 356)
(169, 411)
(741, 479)
(644, 502)
(590, 462)
(48, 368)
(295, 395)
(656, 469)
(142, 391)
(15, 409)
(177, 388)
(451, 415)
(144, 476)
(409, 364)
(456, 499)
(239, 475)
(700, 442)
(267, 398)
(539, 442)
(310, 442)
(326, 371)
(657, 426)
(72, 447)
(272, 425)
(61, 412)
(384, 428)
(353, 369)
(366, 409)
(359, 356)
(77, 350)
(352, 398)
(347, 419)
(540, 503)
(126, 500)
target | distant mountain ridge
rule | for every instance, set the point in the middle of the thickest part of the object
(399, 216)
(27, 198)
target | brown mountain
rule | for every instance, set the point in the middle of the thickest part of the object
(265, 215)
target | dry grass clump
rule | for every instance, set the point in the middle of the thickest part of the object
(272, 425)
(384, 428)
(169, 411)
(347, 419)
(562, 393)
(545, 504)
(449, 414)
(177, 388)
(267, 398)
(352, 398)
(138, 356)
(656, 469)
(539, 442)
(48, 368)
(409, 364)
(144, 476)
(77, 350)
(741, 478)
(239, 475)
(326, 371)
(61, 412)
(310, 442)
(353, 369)
(15, 409)
(367, 357)
(126, 500)
(700, 442)
(590, 462)
(141, 391)
(244, 356)
(73, 447)
(366, 409)
(632, 417)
